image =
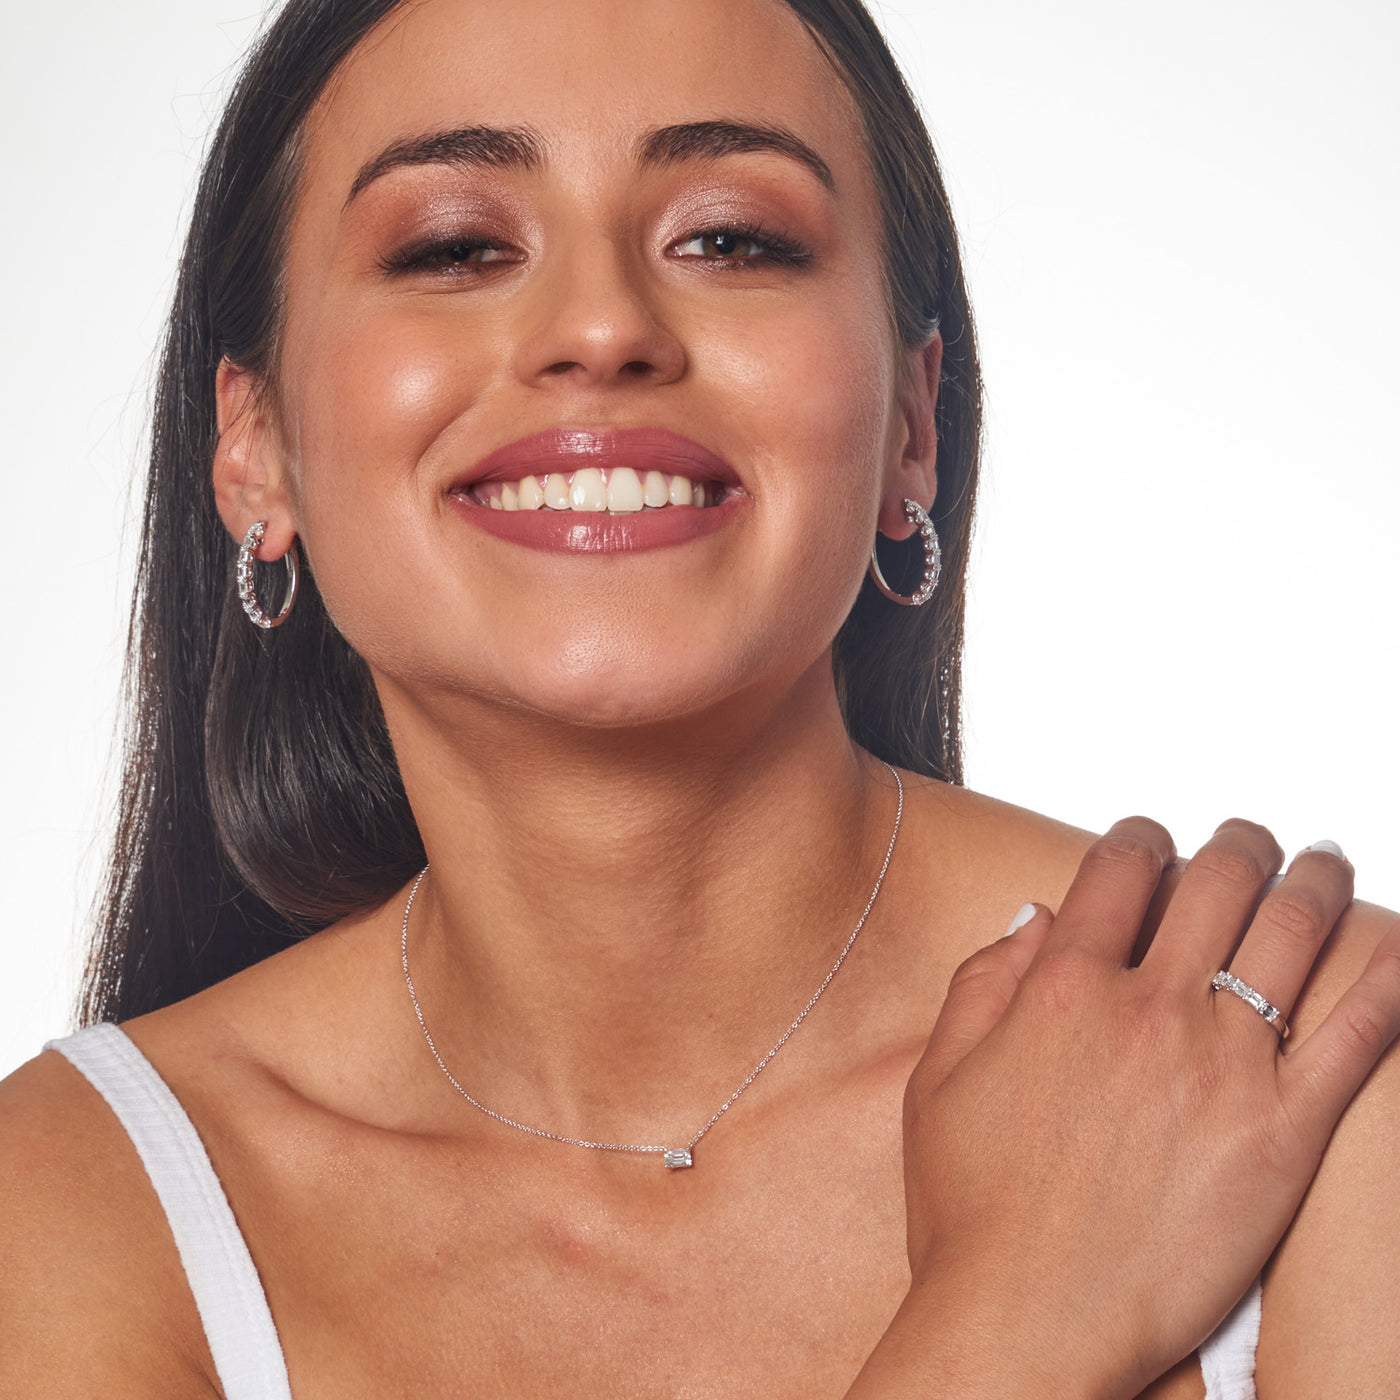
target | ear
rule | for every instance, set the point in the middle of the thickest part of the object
(250, 479)
(914, 475)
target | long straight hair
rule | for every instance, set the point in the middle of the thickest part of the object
(260, 796)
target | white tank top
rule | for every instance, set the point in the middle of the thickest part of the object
(224, 1280)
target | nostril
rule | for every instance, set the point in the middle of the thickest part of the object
(631, 369)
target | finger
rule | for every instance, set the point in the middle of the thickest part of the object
(1213, 903)
(1104, 910)
(979, 992)
(1292, 924)
(1157, 908)
(1322, 1074)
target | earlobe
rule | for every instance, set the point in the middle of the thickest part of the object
(915, 476)
(248, 476)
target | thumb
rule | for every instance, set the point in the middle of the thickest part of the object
(980, 991)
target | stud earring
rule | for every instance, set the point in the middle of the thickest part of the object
(933, 560)
(243, 574)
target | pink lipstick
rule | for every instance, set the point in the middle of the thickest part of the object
(585, 491)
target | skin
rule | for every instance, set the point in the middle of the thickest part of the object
(649, 833)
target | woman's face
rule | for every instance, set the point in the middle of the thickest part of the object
(544, 239)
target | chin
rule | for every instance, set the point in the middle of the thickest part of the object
(615, 697)
(626, 671)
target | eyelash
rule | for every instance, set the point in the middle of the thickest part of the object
(779, 249)
(450, 255)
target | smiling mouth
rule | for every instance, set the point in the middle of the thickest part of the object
(598, 490)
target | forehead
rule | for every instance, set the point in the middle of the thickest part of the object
(588, 75)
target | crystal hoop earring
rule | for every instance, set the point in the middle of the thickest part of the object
(244, 575)
(933, 560)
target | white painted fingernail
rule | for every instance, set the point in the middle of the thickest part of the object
(1023, 916)
(1331, 847)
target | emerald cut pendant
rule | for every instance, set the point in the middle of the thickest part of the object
(679, 1157)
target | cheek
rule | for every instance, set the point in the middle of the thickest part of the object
(371, 396)
(813, 397)
(378, 390)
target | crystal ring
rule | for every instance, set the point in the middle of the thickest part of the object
(1225, 982)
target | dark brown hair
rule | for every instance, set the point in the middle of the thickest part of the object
(260, 795)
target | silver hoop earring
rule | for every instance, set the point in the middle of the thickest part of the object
(933, 560)
(243, 573)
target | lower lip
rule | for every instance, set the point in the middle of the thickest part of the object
(597, 532)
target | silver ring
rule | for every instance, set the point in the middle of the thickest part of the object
(1226, 982)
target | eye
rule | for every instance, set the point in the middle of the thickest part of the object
(741, 245)
(449, 254)
(722, 243)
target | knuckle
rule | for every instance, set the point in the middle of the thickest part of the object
(977, 968)
(1231, 866)
(1260, 835)
(1298, 913)
(1385, 968)
(1062, 979)
(1125, 853)
(1364, 1030)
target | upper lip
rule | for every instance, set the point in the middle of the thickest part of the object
(570, 449)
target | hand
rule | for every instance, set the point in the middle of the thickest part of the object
(1100, 1157)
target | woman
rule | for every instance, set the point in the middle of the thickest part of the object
(579, 354)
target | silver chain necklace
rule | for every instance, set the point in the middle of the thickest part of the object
(673, 1156)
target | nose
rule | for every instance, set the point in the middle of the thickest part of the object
(595, 320)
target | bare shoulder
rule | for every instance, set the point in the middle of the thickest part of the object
(1332, 1291)
(92, 1297)
(964, 864)
(991, 829)
(985, 857)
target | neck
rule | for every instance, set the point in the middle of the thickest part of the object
(616, 926)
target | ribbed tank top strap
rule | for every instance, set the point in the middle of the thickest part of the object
(223, 1279)
(1227, 1358)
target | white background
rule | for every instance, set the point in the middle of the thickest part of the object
(1181, 224)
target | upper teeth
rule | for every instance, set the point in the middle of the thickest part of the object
(616, 489)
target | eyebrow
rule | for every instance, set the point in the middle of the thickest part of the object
(521, 148)
(502, 148)
(711, 140)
